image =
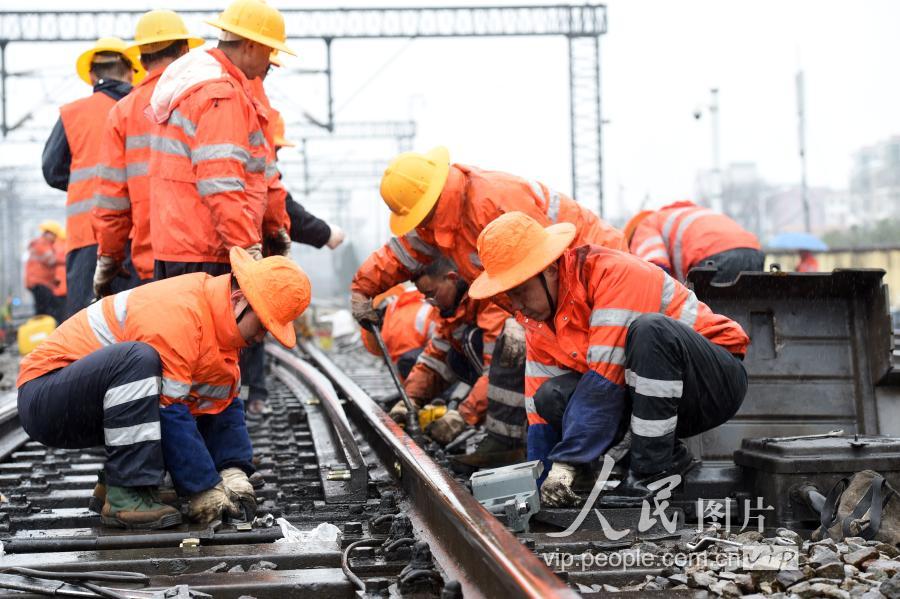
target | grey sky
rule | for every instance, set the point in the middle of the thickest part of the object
(504, 103)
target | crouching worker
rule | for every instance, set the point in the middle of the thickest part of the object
(614, 346)
(152, 374)
(461, 350)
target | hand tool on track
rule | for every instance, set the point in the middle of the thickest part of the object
(412, 419)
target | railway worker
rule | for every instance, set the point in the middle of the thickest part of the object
(438, 208)
(212, 169)
(306, 227)
(618, 352)
(409, 322)
(60, 290)
(40, 268)
(683, 235)
(808, 262)
(72, 154)
(152, 374)
(122, 209)
(461, 350)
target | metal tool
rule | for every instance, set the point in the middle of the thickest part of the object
(412, 421)
(834, 433)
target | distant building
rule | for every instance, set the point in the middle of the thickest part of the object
(875, 180)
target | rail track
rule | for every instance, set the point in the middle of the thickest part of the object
(326, 454)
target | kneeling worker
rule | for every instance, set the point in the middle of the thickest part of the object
(648, 358)
(152, 374)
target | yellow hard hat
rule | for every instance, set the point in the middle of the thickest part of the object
(158, 28)
(278, 137)
(411, 186)
(254, 20)
(632, 225)
(51, 226)
(513, 248)
(110, 44)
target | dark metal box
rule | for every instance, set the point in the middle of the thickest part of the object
(775, 469)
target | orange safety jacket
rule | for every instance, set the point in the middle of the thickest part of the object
(40, 268)
(470, 200)
(808, 264)
(601, 292)
(409, 322)
(197, 340)
(60, 287)
(276, 215)
(682, 235)
(432, 373)
(122, 207)
(83, 121)
(208, 158)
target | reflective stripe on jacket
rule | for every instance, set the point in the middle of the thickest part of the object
(83, 121)
(431, 370)
(470, 200)
(197, 339)
(208, 160)
(41, 265)
(681, 235)
(276, 216)
(122, 204)
(409, 322)
(601, 292)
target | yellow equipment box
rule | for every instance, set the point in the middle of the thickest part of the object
(34, 331)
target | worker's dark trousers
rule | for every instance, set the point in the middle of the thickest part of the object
(109, 397)
(43, 300)
(198, 448)
(679, 384)
(407, 360)
(253, 358)
(730, 263)
(80, 267)
(505, 420)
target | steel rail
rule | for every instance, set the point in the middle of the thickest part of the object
(498, 565)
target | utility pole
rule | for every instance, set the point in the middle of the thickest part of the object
(801, 135)
(716, 199)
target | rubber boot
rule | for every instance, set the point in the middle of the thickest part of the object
(137, 508)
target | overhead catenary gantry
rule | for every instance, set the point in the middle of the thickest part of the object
(581, 25)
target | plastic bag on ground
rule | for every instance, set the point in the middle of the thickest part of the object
(324, 537)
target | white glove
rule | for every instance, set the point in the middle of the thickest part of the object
(211, 504)
(447, 427)
(255, 251)
(513, 352)
(557, 488)
(108, 268)
(337, 237)
(237, 484)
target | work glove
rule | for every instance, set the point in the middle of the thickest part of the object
(363, 311)
(278, 244)
(513, 351)
(557, 489)
(398, 412)
(108, 268)
(212, 504)
(447, 427)
(336, 238)
(255, 251)
(239, 489)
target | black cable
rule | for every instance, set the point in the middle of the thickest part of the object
(345, 560)
(100, 575)
(103, 591)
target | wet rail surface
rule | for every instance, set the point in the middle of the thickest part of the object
(409, 529)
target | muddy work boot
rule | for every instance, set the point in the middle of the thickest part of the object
(164, 494)
(137, 508)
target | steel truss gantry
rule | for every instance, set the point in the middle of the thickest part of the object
(582, 25)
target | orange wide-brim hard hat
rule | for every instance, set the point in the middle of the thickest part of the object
(278, 291)
(632, 225)
(515, 247)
